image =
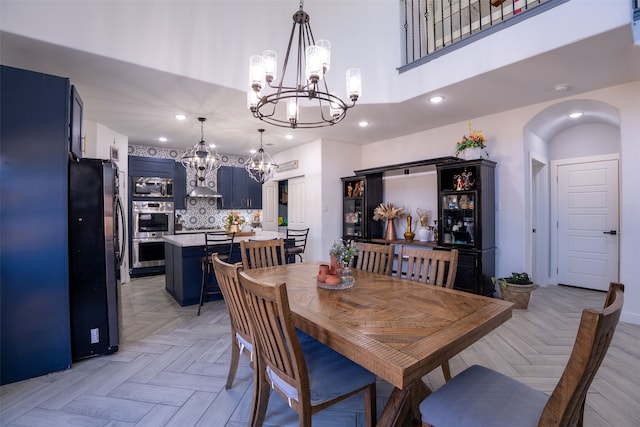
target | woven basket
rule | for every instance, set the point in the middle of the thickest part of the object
(519, 295)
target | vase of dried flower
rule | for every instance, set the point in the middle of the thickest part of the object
(390, 232)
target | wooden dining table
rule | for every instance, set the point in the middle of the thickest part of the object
(398, 329)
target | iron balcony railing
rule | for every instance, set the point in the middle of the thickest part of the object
(432, 27)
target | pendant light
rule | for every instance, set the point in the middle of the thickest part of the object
(199, 160)
(261, 166)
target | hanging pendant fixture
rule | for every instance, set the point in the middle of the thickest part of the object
(261, 166)
(283, 106)
(200, 161)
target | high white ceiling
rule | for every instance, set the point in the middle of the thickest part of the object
(137, 101)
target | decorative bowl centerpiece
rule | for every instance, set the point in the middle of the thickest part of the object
(338, 275)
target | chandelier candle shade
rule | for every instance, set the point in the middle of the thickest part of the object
(282, 106)
(200, 161)
(261, 166)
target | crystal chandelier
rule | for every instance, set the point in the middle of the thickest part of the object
(282, 107)
(200, 161)
(261, 166)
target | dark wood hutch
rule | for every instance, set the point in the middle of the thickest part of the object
(466, 214)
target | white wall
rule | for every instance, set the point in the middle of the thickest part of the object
(505, 134)
(591, 139)
(375, 48)
(98, 143)
(322, 163)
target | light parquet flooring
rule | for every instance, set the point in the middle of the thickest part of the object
(172, 366)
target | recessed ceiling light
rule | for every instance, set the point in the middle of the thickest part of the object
(562, 87)
(575, 115)
(288, 136)
(253, 151)
(212, 145)
(436, 99)
(162, 139)
(180, 117)
(363, 124)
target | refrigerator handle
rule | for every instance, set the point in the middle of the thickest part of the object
(123, 241)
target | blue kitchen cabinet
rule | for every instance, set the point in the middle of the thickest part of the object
(151, 167)
(238, 190)
(179, 186)
(183, 273)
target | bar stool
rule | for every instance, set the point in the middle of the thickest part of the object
(296, 243)
(219, 242)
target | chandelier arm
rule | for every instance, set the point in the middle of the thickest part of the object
(286, 57)
(300, 62)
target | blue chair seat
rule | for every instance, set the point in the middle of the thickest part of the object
(460, 402)
(327, 370)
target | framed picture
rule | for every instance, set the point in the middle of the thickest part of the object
(288, 166)
(115, 154)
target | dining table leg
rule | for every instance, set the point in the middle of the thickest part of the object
(402, 404)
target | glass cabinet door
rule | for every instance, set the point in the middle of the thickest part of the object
(458, 218)
(352, 217)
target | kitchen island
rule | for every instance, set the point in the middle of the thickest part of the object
(183, 271)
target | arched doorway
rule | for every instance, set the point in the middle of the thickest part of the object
(552, 138)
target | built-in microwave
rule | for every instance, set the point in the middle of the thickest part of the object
(143, 186)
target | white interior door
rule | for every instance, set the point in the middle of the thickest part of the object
(270, 206)
(296, 207)
(588, 224)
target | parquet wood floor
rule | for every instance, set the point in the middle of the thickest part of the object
(172, 366)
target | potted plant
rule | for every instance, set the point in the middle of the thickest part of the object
(471, 146)
(516, 289)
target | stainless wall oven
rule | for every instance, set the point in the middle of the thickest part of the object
(150, 221)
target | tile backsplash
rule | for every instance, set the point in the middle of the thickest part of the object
(200, 213)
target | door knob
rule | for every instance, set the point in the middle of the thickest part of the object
(611, 232)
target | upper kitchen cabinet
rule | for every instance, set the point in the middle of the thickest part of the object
(238, 190)
(151, 167)
(361, 194)
(466, 221)
(75, 126)
(179, 186)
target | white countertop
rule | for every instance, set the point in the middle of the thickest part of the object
(197, 239)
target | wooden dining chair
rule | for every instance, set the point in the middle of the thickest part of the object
(309, 377)
(376, 258)
(262, 253)
(219, 242)
(507, 402)
(432, 267)
(241, 335)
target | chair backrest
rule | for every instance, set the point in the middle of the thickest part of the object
(433, 267)
(376, 258)
(262, 253)
(566, 404)
(297, 239)
(275, 337)
(219, 242)
(234, 297)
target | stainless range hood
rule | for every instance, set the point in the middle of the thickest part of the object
(204, 192)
